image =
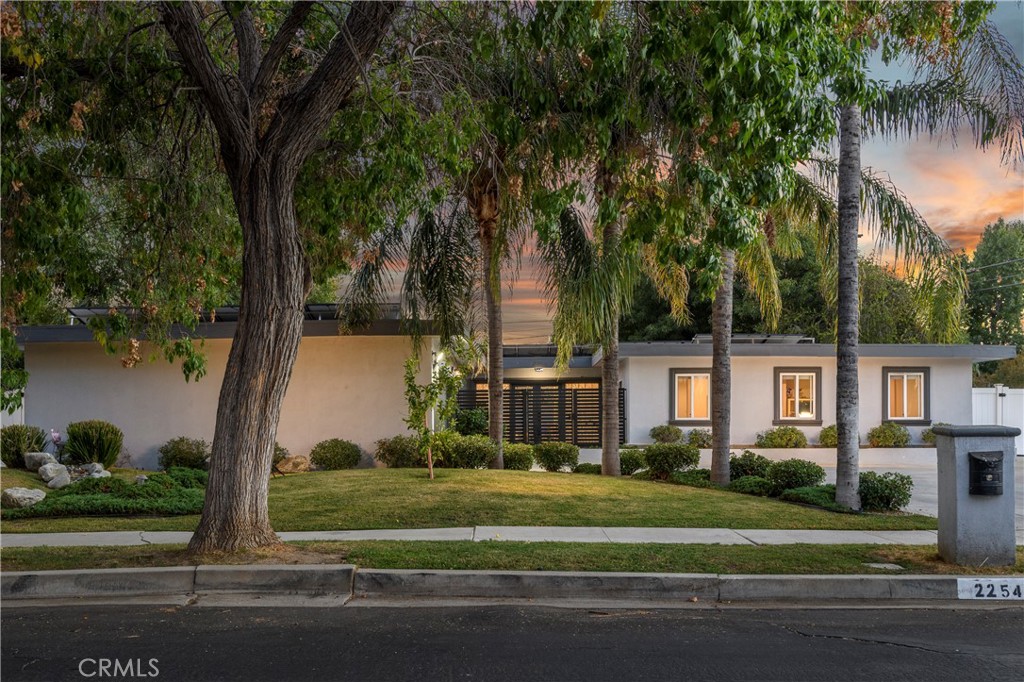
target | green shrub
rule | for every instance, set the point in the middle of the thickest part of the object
(188, 478)
(556, 456)
(889, 435)
(518, 456)
(699, 438)
(642, 475)
(794, 473)
(93, 441)
(823, 496)
(399, 452)
(16, 440)
(829, 437)
(748, 464)
(928, 435)
(280, 453)
(190, 453)
(666, 433)
(442, 448)
(631, 460)
(752, 485)
(695, 478)
(782, 437)
(885, 492)
(472, 422)
(587, 468)
(471, 452)
(335, 453)
(664, 458)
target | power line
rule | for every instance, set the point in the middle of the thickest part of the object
(985, 267)
(1001, 286)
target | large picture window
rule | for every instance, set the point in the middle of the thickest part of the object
(691, 396)
(905, 395)
(797, 395)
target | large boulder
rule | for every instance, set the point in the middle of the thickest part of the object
(60, 480)
(34, 460)
(294, 464)
(16, 498)
(48, 472)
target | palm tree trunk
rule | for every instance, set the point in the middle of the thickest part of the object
(611, 235)
(495, 348)
(848, 325)
(721, 371)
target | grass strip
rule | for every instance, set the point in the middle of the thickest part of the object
(523, 556)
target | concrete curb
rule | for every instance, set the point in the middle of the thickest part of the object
(346, 581)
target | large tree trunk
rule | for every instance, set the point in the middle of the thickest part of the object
(274, 288)
(610, 463)
(721, 371)
(848, 327)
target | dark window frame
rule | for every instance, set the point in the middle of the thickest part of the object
(926, 390)
(672, 374)
(777, 398)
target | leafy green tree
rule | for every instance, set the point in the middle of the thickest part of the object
(995, 307)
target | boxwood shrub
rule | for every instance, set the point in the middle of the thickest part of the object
(889, 491)
(471, 452)
(889, 435)
(518, 456)
(699, 438)
(335, 453)
(399, 452)
(93, 440)
(664, 458)
(751, 485)
(191, 453)
(556, 456)
(829, 436)
(587, 468)
(16, 440)
(631, 460)
(748, 464)
(794, 473)
(928, 435)
(471, 422)
(666, 433)
(782, 437)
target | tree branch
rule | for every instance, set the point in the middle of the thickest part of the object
(278, 46)
(248, 45)
(181, 19)
(302, 117)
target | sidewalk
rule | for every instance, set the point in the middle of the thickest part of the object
(710, 536)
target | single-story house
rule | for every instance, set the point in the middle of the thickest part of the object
(342, 386)
(777, 380)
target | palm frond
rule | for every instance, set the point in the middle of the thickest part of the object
(754, 262)
(367, 292)
(671, 280)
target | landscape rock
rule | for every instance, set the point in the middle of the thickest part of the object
(34, 460)
(48, 472)
(295, 464)
(60, 480)
(102, 473)
(140, 479)
(92, 468)
(16, 498)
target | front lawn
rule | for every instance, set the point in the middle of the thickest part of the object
(405, 498)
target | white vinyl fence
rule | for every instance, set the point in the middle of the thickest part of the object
(18, 417)
(1002, 406)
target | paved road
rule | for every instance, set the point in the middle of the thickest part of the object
(513, 643)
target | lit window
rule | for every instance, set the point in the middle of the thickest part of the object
(906, 394)
(797, 396)
(691, 396)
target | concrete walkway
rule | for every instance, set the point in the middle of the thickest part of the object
(712, 536)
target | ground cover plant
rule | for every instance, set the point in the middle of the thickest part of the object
(405, 498)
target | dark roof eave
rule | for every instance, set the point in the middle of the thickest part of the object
(973, 352)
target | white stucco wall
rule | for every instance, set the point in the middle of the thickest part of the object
(348, 387)
(753, 379)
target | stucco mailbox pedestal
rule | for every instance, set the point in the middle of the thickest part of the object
(976, 494)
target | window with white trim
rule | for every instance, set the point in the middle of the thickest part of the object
(691, 393)
(798, 396)
(906, 395)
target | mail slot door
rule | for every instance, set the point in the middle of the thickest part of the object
(986, 473)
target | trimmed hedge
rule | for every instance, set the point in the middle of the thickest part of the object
(823, 496)
(782, 437)
(794, 473)
(666, 433)
(399, 452)
(556, 456)
(664, 458)
(885, 492)
(518, 456)
(471, 452)
(191, 453)
(752, 485)
(631, 460)
(16, 440)
(93, 440)
(335, 454)
(587, 468)
(748, 464)
(889, 435)
(829, 436)
(695, 478)
(699, 438)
